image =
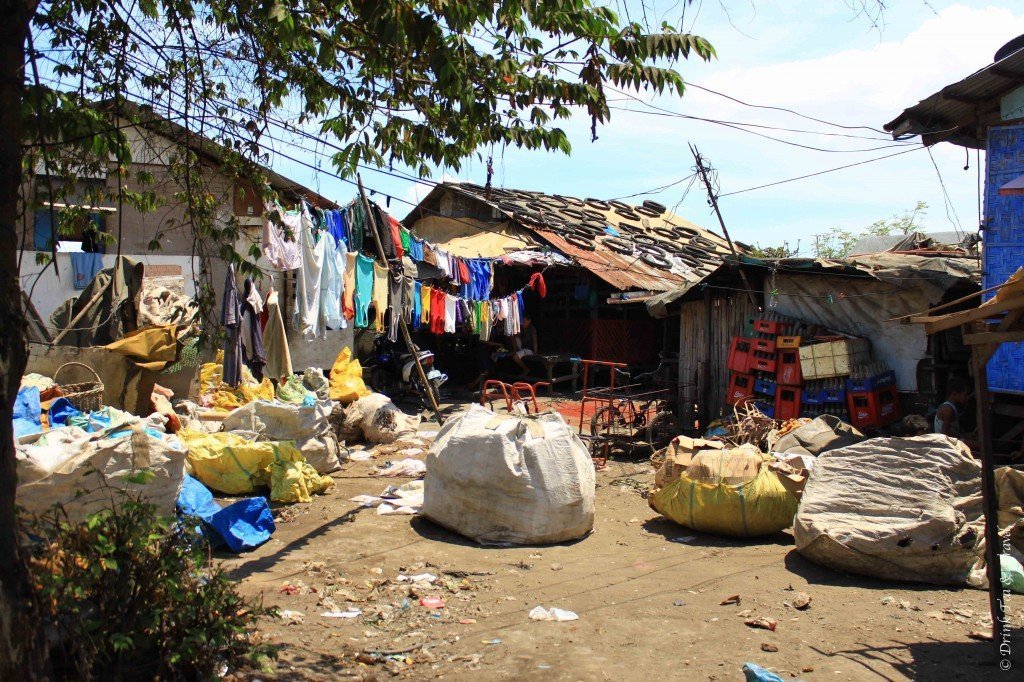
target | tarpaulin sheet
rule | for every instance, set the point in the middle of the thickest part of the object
(242, 526)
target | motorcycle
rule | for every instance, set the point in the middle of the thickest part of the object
(393, 372)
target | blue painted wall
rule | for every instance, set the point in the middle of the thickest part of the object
(1004, 242)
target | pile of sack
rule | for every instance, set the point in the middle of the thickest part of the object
(740, 492)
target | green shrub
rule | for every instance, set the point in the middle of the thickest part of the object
(128, 595)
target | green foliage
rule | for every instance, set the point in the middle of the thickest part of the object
(773, 252)
(129, 595)
(838, 243)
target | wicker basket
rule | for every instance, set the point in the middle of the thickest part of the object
(86, 396)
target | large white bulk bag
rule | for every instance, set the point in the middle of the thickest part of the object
(894, 508)
(307, 426)
(510, 479)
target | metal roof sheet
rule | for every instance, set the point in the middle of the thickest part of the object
(961, 112)
(550, 217)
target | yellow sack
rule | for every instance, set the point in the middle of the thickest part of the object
(296, 481)
(346, 379)
(234, 465)
(760, 506)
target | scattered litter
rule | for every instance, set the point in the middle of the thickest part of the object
(467, 621)
(411, 468)
(770, 648)
(432, 602)
(755, 673)
(556, 566)
(678, 602)
(402, 499)
(684, 540)
(420, 578)
(292, 617)
(349, 613)
(728, 601)
(554, 613)
(492, 642)
(980, 635)
(762, 623)
(291, 589)
(745, 613)
(802, 601)
(410, 452)
(543, 666)
(360, 455)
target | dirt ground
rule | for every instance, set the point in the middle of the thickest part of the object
(648, 594)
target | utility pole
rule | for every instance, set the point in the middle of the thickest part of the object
(713, 200)
(398, 313)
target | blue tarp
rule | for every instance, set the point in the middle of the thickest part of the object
(61, 410)
(26, 412)
(242, 526)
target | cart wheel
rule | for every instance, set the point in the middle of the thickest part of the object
(607, 423)
(662, 429)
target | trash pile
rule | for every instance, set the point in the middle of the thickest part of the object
(276, 442)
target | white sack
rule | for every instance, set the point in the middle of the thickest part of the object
(379, 419)
(894, 508)
(510, 479)
(55, 472)
(306, 425)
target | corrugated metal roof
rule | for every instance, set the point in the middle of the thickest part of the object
(692, 251)
(907, 242)
(961, 112)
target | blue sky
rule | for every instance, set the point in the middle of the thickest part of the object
(813, 56)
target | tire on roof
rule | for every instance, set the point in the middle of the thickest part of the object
(643, 210)
(598, 204)
(578, 241)
(656, 260)
(655, 206)
(617, 245)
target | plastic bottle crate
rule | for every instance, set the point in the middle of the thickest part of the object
(764, 386)
(812, 397)
(767, 409)
(764, 345)
(874, 408)
(762, 362)
(787, 342)
(787, 370)
(871, 383)
(741, 387)
(833, 395)
(740, 353)
(773, 327)
(787, 402)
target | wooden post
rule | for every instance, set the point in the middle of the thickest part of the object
(993, 545)
(714, 204)
(398, 313)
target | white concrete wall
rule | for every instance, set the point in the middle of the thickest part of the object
(48, 291)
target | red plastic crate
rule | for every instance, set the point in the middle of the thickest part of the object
(762, 362)
(774, 327)
(741, 387)
(874, 408)
(787, 370)
(764, 345)
(787, 402)
(740, 353)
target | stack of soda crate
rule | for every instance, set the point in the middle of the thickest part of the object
(872, 396)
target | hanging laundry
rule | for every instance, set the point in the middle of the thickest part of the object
(406, 241)
(437, 311)
(396, 235)
(281, 241)
(310, 281)
(410, 300)
(396, 289)
(364, 289)
(336, 228)
(356, 224)
(331, 284)
(231, 319)
(425, 303)
(275, 341)
(538, 284)
(416, 249)
(348, 300)
(449, 313)
(84, 267)
(380, 296)
(429, 257)
(417, 304)
(251, 333)
(443, 262)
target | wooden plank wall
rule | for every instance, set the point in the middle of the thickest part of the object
(706, 329)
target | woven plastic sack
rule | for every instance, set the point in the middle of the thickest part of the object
(894, 508)
(757, 506)
(306, 425)
(69, 466)
(346, 380)
(510, 479)
(234, 463)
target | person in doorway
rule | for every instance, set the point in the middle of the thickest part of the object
(947, 417)
(524, 343)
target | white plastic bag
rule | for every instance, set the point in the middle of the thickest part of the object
(510, 479)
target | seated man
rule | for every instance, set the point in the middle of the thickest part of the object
(947, 417)
(524, 343)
